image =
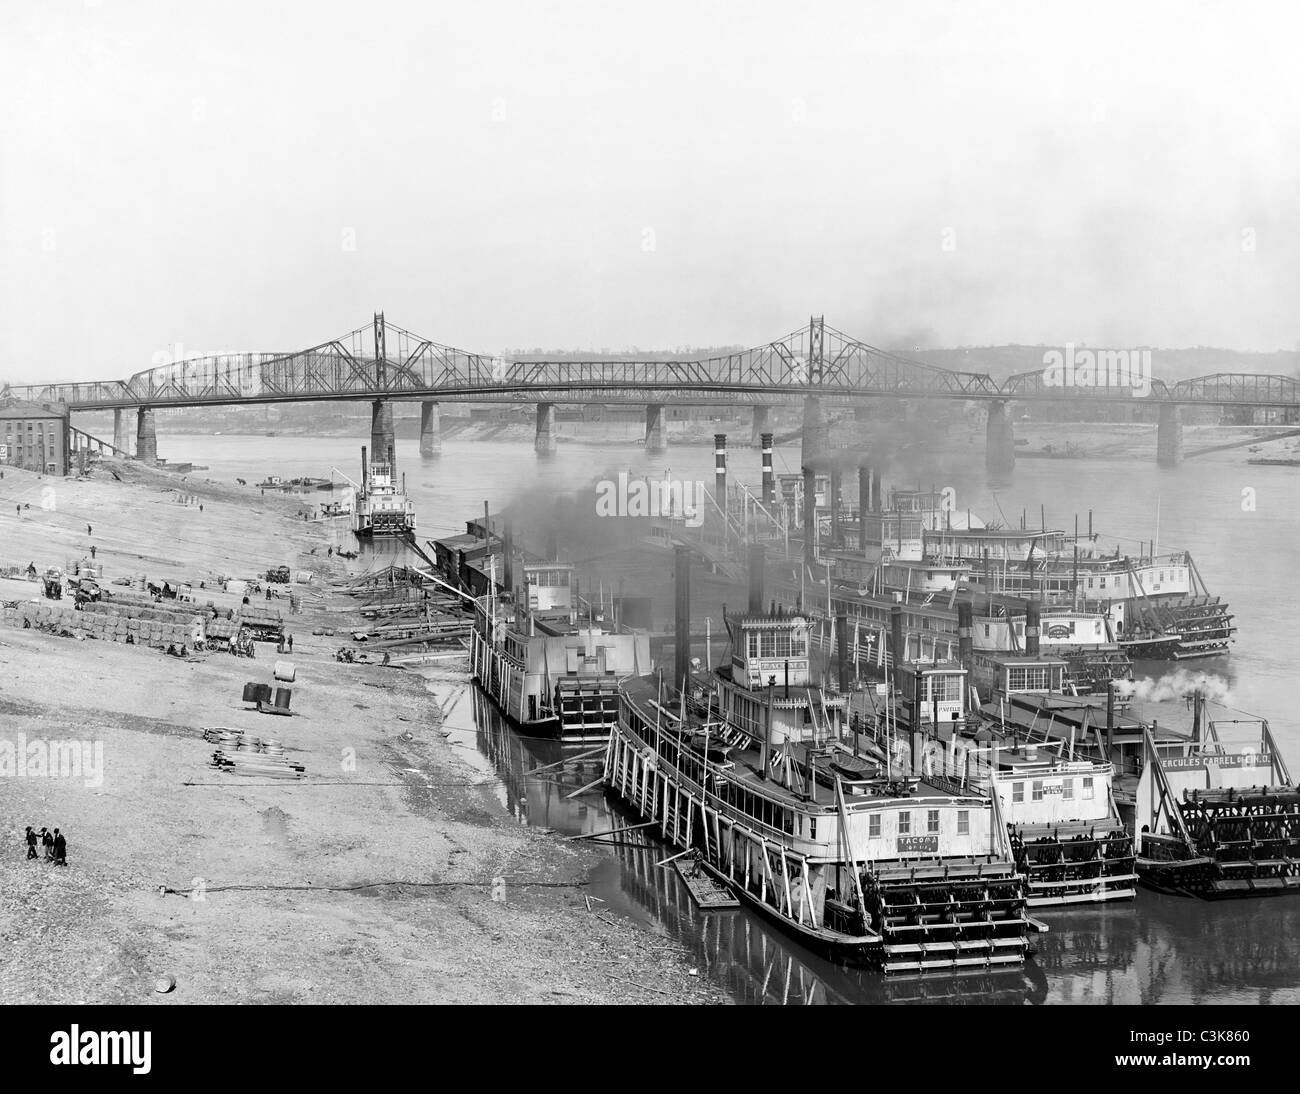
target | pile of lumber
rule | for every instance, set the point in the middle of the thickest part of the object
(241, 754)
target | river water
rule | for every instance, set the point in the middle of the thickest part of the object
(1241, 524)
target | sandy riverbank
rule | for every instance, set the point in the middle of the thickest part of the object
(290, 909)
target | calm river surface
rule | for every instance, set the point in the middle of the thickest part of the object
(1158, 949)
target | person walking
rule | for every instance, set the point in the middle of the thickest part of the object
(92, 551)
(60, 849)
(47, 841)
(31, 842)
(89, 530)
(291, 643)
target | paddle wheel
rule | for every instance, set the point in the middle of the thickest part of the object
(948, 916)
(1074, 864)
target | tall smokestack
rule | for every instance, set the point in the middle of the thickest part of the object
(682, 617)
(809, 513)
(1031, 629)
(392, 466)
(877, 502)
(864, 506)
(1110, 718)
(897, 647)
(487, 524)
(720, 470)
(836, 483)
(756, 562)
(769, 479)
(965, 641)
(508, 558)
(365, 469)
(845, 654)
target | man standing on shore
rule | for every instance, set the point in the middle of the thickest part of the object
(60, 849)
(31, 842)
(47, 841)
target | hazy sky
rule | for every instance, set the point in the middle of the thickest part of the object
(507, 175)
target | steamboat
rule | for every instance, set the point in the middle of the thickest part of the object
(381, 508)
(860, 863)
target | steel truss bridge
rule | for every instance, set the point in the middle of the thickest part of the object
(381, 360)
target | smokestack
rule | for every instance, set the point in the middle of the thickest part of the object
(842, 648)
(809, 513)
(877, 502)
(1110, 718)
(365, 469)
(1031, 629)
(720, 470)
(864, 506)
(392, 466)
(897, 649)
(965, 641)
(756, 563)
(836, 483)
(769, 479)
(508, 559)
(487, 524)
(682, 616)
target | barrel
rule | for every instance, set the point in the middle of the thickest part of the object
(304, 577)
(282, 696)
(285, 670)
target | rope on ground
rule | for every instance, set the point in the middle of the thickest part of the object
(488, 883)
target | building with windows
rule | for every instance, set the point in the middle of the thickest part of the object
(34, 436)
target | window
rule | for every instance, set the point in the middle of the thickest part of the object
(963, 822)
(873, 826)
(812, 827)
(1017, 792)
(932, 822)
(904, 823)
(1067, 790)
(1087, 788)
(1038, 790)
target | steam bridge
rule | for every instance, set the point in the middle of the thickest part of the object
(816, 365)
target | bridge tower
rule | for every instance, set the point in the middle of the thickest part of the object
(1169, 435)
(430, 429)
(654, 428)
(121, 432)
(999, 438)
(146, 436)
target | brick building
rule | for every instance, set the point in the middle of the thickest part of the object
(34, 436)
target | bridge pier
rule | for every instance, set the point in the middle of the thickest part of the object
(121, 432)
(1169, 435)
(146, 436)
(760, 425)
(654, 428)
(544, 442)
(815, 434)
(430, 429)
(769, 477)
(864, 505)
(381, 434)
(999, 438)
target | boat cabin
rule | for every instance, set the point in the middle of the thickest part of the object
(770, 649)
(933, 692)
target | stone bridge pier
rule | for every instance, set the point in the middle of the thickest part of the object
(430, 429)
(760, 425)
(654, 428)
(1169, 435)
(121, 432)
(381, 433)
(544, 441)
(999, 438)
(146, 436)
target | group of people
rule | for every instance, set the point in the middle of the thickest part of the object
(54, 843)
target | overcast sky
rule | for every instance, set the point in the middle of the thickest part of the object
(507, 175)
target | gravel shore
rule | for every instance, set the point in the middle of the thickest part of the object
(372, 880)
